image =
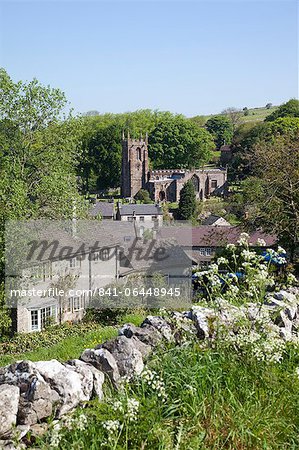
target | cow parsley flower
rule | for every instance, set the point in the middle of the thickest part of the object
(154, 382)
(132, 409)
(261, 242)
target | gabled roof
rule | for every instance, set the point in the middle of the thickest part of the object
(211, 219)
(140, 210)
(105, 209)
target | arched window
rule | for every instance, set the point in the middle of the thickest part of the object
(139, 153)
(195, 182)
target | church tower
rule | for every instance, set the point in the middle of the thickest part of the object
(134, 169)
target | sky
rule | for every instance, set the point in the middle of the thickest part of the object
(190, 57)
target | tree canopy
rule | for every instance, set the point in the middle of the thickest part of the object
(288, 109)
(178, 143)
(221, 128)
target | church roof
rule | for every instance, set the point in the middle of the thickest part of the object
(140, 210)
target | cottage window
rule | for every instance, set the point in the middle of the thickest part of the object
(154, 217)
(77, 303)
(40, 317)
(34, 320)
(74, 262)
(205, 251)
(105, 254)
(141, 218)
(130, 219)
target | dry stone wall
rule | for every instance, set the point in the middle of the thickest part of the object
(30, 392)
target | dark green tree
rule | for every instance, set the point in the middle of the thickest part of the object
(288, 109)
(187, 203)
(143, 196)
(176, 142)
(221, 128)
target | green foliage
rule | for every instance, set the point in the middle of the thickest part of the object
(178, 143)
(213, 399)
(288, 109)
(143, 196)
(221, 129)
(38, 157)
(271, 198)
(187, 203)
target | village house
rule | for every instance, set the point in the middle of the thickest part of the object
(207, 240)
(56, 289)
(103, 210)
(147, 215)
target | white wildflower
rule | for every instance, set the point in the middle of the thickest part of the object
(261, 242)
(243, 240)
(222, 260)
(118, 406)
(281, 250)
(132, 409)
(231, 247)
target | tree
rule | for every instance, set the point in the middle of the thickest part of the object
(221, 128)
(187, 203)
(235, 115)
(176, 142)
(143, 196)
(288, 109)
(268, 105)
(271, 197)
(39, 150)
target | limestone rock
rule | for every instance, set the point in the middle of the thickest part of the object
(128, 358)
(161, 325)
(65, 381)
(9, 403)
(91, 379)
(102, 360)
(37, 399)
(147, 334)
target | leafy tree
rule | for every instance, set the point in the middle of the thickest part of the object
(187, 203)
(143, 196)
(288, 109)
(248, 135)
(268, 105)
(234, 114)
(271, 197)
(178, 143)
(38, 156)
(221, 128)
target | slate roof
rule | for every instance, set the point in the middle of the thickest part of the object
(209, 236)
(140, 210)
(105, 209)
(211, 219)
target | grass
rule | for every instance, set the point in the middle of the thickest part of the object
(72, 347)
(216, 399)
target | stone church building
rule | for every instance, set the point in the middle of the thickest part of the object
(165, 184)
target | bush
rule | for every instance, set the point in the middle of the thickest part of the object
(143, 196)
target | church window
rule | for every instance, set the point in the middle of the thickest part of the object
(139, 153)
(214, 184)
(195, 182)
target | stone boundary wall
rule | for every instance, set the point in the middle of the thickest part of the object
(31, 392)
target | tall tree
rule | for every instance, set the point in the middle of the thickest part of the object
(38, 156)
(176, 142)
(187, 203)
(271, 197)
(221, 128)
